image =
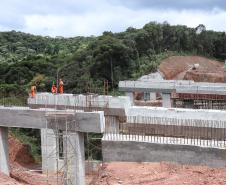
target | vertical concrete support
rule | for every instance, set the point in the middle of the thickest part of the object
(49, 151)
(130, 95)
(4, 151)
(153, 96)
(74, 155)
(166, 100)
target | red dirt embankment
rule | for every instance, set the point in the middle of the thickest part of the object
(19, 156)
(159, 174)
(23, 166)
(19, 153)
(179, 68)
(5, 180)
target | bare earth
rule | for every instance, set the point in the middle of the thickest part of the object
(159, 174)
(177, 67)
(5, 180)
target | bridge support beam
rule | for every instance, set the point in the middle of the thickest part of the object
(4, 151)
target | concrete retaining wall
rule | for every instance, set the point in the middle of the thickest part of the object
(131, 151)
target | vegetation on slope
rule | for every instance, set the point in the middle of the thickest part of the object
(112, 56)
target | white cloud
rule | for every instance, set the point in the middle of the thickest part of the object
(86, 17)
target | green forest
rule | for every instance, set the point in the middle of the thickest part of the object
(85, 62)
(88, 61)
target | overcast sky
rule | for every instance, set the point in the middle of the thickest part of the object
(92, 17)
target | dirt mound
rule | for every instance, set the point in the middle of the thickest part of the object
(179, 68)
(159, 174)
(19, 153)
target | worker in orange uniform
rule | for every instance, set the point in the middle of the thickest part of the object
(61, 86)
(54, 89)
(33, 90)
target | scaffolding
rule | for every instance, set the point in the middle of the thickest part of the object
(62, 153)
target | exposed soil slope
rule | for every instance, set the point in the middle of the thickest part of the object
(159, 174)
(23, 166)
(5, 180)
(19, 153)
(179, 67)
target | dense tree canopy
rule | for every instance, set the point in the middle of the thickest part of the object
(111, 56)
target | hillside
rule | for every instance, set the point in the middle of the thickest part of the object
(179, 67)
(19, 46)
(85, 62)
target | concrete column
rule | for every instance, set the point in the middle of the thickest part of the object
(74, 155)
(166, 100)
(153, 96)
(4, 151)
(130, 94)
(49, 151)
(149, 96)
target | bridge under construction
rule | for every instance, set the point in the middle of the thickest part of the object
(128, 132)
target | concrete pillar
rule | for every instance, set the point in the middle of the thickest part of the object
(130, 94)
(4, 151)
(153, 96)
(166, 100)
(149, 96)
(74, 155)
(49, 151)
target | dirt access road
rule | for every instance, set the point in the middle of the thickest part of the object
(125, 173)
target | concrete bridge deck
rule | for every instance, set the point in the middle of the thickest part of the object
(111, 105)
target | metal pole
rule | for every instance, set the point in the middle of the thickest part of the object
(57, 78)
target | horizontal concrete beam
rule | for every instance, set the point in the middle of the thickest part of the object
(113, 106)
(168, 86)
(146, 86)
(25, 117)
(107, 111)
(178, 113)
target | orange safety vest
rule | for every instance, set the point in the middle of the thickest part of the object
(33, 91)
(53, 89)
(61, 87)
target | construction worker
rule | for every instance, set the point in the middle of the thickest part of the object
(33, 90)
(54, 89)
(61, 86)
